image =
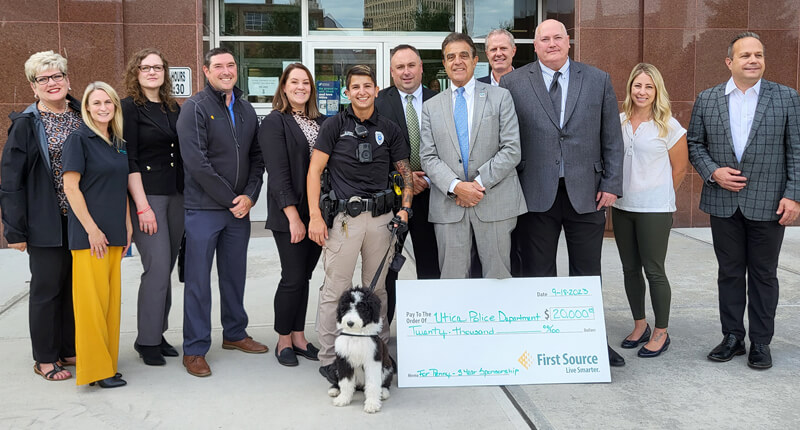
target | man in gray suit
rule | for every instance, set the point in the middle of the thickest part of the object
(469, 148)
(744, 141)
(500, 50)
(572, 150)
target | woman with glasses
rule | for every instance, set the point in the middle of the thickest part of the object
(35, 209)
(155, 183)
(96, 181)
(287, 136)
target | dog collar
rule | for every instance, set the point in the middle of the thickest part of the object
(358, 335)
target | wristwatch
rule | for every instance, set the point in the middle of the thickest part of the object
(408, 211)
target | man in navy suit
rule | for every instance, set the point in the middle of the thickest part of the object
(744, 141)
(402, 103)
(500, 50)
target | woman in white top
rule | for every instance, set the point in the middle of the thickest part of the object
(656, 158)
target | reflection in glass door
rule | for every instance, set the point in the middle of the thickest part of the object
(330, 69)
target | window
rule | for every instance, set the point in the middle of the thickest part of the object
(267, 18)
(362, 16)
(255, 21)
(260, 66)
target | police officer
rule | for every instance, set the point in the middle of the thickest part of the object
(359, 147)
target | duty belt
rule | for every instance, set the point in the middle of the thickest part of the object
(357, 205)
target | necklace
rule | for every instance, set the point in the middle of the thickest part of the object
(44, 106)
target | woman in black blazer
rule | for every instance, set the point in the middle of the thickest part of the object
(35, 209)
(155, 184)
(287, 136)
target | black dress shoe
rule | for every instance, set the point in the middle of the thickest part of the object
(150, 354)
(646, 353)
(727, 349)
(614, 358)
(286, 357)
(112, 382)
(330, 374)
(630, 344)
(760, 357)
(167, 350)
(310, 352)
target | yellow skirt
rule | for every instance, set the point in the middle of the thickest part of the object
(96, 300)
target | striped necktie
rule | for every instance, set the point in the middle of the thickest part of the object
(412, 123)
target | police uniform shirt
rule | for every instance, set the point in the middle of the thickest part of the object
(338, 139)
(104, 184)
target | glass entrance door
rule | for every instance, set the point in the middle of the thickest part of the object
(433, 73)
(330, 63)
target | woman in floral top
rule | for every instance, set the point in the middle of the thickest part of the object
(35, 209)
(287, 136)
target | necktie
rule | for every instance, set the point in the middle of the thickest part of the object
(412, 123)
(555, 96)
(462, 128)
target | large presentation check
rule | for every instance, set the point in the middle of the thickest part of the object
(501, 332)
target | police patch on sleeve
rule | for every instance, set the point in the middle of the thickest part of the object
(379, 138)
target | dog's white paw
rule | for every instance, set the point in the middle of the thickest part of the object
(385, 393)
(372, 405)
(333, 391)
(342, 400)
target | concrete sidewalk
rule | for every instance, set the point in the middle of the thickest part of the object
(681, 389)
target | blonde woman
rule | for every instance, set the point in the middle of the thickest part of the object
(656, 158)
(95, 181)
(35, 209)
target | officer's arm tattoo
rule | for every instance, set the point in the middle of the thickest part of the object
(404, 168)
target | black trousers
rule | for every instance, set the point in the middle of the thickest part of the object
(747, 248)
(534, 242)
(298, 261)
(51, 317)
(426, 251)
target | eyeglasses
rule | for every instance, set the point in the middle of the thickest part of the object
(157, 68)
(42, 80)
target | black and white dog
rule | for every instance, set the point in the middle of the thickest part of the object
(362, 359)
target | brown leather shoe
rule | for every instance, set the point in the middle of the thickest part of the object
(196, 365)
(247, 345)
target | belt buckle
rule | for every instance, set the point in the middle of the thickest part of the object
(354, 206)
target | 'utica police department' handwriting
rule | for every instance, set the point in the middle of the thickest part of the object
(554, 314)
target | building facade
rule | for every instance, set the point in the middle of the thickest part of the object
(685, 39)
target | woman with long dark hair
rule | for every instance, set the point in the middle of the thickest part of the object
(287, 136)
(155, 183)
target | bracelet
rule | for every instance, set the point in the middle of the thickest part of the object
(143, 211)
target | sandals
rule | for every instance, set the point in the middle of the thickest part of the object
(50, 376)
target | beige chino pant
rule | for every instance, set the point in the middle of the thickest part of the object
(363, 235)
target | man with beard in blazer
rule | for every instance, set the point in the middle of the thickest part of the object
(744, 141)
(402, 103)
(572, 151)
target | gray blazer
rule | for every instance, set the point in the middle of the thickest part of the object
(494, 153)
(771, 158)
(591, 139)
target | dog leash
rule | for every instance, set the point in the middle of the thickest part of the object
(394, 232)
